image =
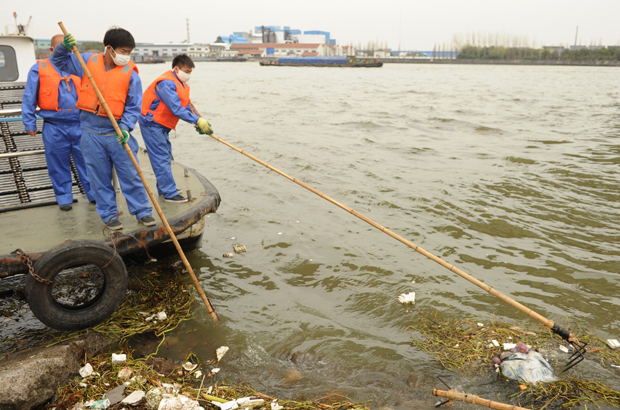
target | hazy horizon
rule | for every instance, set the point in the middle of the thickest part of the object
(412, 26)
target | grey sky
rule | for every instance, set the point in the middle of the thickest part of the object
(424, 23)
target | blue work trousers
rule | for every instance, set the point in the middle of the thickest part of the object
(100, 153)
(157, 141)
(62, 140)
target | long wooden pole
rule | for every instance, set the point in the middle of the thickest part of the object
(470, 398)
(104, 104)
(548, 323)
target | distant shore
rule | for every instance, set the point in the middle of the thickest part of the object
(591, 63)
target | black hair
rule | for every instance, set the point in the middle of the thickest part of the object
(182, 60)
(118, 37)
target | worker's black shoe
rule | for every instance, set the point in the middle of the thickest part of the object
(179, 199)
(148, 220)
(114, 224)
(93, 202)
(66, 207)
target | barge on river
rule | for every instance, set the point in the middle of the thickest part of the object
(322, 62)
(78, 277)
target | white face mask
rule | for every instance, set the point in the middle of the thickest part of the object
(120, 59)
(183, 76)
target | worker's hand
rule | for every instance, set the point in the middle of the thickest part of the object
(122, 139)
(32, 133)
(69, 41)
(204, 127)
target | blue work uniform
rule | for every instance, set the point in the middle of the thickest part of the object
(101, 150)
(157, 137)
(61, 134)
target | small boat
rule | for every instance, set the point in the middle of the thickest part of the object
(322, 62)
(152, 61)
(231, 59)
(76, 276)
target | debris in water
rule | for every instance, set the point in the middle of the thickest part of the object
(407, 298)
(495, 343)
(275, 405)
(99, 404)
(221, 351)
(179, 403)
(118, 358)
(216, 370)
(526, 365)
(134, 398)
(189, 366)
(613, 343)
(228, 255)
(564, 348)
(239, 248)
(480, 324)
(86, 371)
(115, 395)
(509, 346)
(124, 373)
(198, 374)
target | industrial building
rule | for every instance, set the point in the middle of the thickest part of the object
(150, 51)
(290, 49)
(278, 34)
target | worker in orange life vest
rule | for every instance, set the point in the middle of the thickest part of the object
(163, 104)
(55, 92)
(117, 78)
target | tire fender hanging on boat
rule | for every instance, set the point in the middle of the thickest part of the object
(71, 255)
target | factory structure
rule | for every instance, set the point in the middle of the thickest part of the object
(261, 41)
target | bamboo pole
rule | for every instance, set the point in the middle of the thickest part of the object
(104, 104)
(548, 323)
(470, 398)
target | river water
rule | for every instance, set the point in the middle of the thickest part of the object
(508, 172)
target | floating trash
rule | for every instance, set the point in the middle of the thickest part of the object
(98, 404)
(275, 405)
(564, 348)
(480, 324)
(220, 352)
(198, 374)
(189, 366)
(228, 255)
(239, 248)
(124, 373)
(134, 398)
(118, 358)
(159, 316)
(529, 366)
(613, 343)
(407, 298)
(86, 371)
(216, 370)
(495, 343)
(509, 346)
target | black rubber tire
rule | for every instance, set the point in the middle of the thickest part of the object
(73, 254)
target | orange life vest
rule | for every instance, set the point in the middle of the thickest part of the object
(162, 114)
(49, 81)
(113, 84)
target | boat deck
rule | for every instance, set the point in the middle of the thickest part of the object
(40, 228)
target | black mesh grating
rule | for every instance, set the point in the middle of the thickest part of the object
(25, 179)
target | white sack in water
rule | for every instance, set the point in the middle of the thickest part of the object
(407, 298)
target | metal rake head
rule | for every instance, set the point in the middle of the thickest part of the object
(580, 347)
(578, 356)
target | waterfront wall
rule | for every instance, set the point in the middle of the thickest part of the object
(599, 63)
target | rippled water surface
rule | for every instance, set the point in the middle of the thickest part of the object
(510, 173)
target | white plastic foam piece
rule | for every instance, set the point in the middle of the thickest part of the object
(509, 346)
(407, 298)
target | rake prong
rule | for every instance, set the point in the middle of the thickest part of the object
(578, 356)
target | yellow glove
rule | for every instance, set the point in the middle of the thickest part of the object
(204, 127)
(69, 41)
